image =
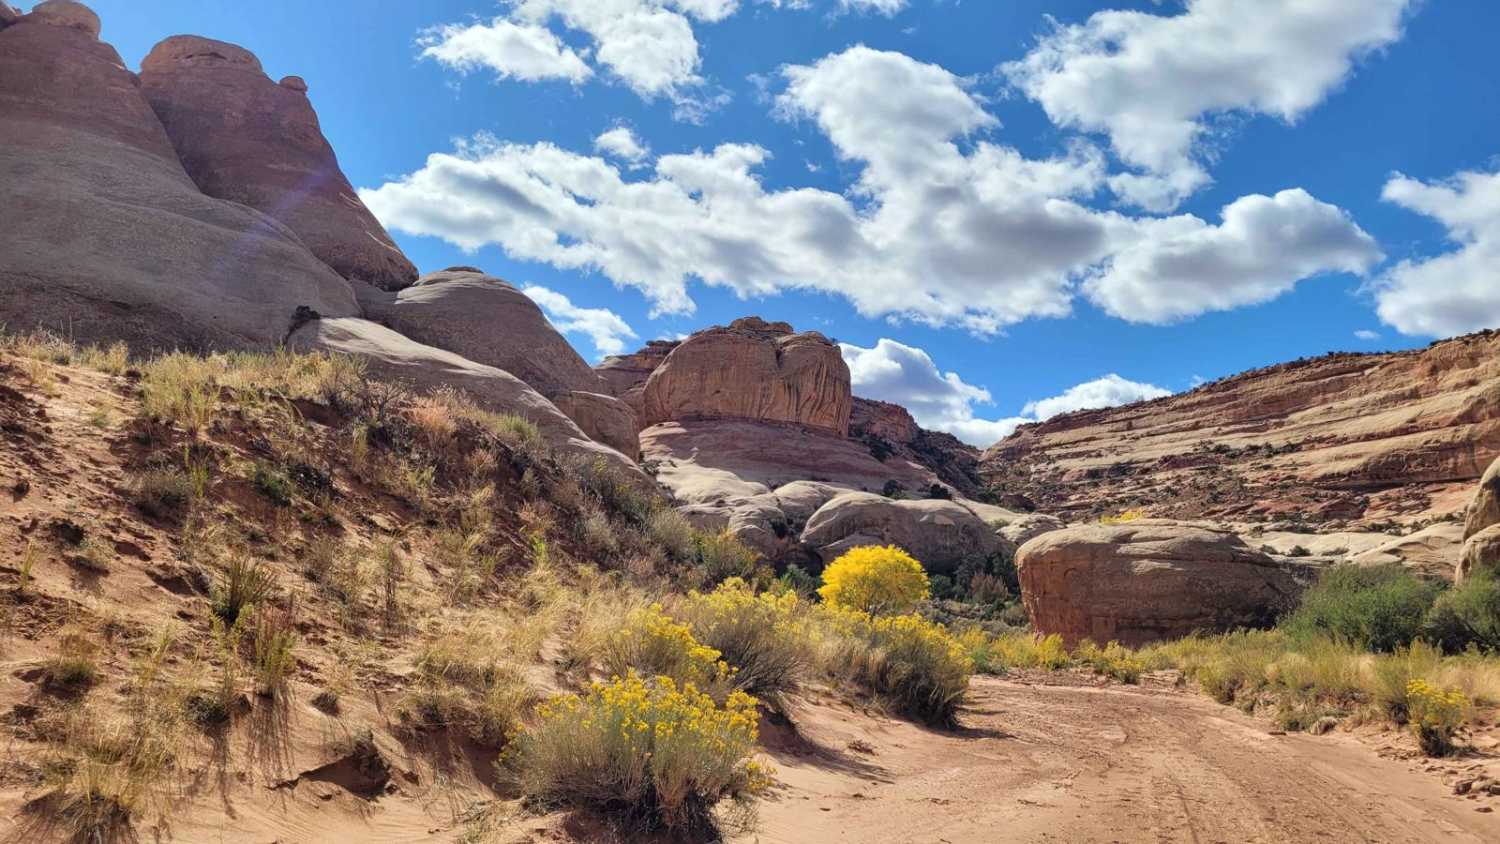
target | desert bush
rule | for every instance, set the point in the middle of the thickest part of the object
(272, 483)
(1436, 714)
(1124, 517)
(671, 531)
(162, 491)
(182, 389)
(658, 752)
(1113, 660)
(618, 493)
(721, 556)
(1378, 608)
(1030, 650)
(913, 664)
(763, 638)
(874, 579)
(1468, 614)
(652, 643)
(597, 532)
(274, 641)
(242, 583)
(1387, 677)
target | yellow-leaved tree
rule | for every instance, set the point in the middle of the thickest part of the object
(879, 580)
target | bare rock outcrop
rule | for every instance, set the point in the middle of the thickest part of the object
(605, 419)
(940, 533)
(395, 357)
(887, 428)
(106, 236)
(1149, 580)
(1345, 440)
(625, 376)
(244, 138)
(1484, 509)
(752, 370)
(1481, 552)
(487, 321)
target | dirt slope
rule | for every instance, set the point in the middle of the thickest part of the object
(1077, 764)
(1342, 439)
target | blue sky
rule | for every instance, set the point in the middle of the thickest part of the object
(989, 203)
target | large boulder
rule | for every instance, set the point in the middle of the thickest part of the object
(1481, 552)
(391, 356)
(940, 533)
(753, 370)
(605, 419)
(1144, 581)
(1484, 510)
(106, 237)
(245, 138)
(487, 321)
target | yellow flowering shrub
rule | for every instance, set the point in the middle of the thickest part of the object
(1123, 518)
(1113, 660)
(874, 579)
(1435, 714)
(653, 643)
(1030, 650)
(763, 637)
(914, 663)
(663, 752)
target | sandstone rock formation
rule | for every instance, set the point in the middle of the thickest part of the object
(1481, 552)
(940, 533)
(487, 321)
(605, 419)
(625, 376)
(1484, 509)
(393, 356)
(887, 428)
(106, 237)
(245, 138)
(753, 370)
(1148, 580)
(8, 15)
(1345, 439)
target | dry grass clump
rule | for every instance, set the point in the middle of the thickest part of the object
(655, 752)
(913, 664)
(274, 641)
(76, 663)
(468, 680)
(242, 583)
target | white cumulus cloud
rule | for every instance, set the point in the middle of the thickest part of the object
(1154, 82)
(1459, 291)
(943, 224)
(512, 50)
(623, 144)
(604, 327)
(941, 401)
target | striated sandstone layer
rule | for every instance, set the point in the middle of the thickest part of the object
(752, 370)
(245, 138)
(1345, 439)
(888, 429)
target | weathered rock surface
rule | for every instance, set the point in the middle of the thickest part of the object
(752, 370)
(1430, 552)
(625, 376)
(1148, 580)
(888, 428)
(106, 237)
(1346, 439)
(939, 533)
(1484, 509)
(488, 321)
(1481, 552)
(8, 15)
(395, 357)
(605, 419)
(244, 138)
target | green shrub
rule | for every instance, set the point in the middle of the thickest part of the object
(1379, 608)
(721, 556)
(242, 583)
(273, 484)
(1468, 614)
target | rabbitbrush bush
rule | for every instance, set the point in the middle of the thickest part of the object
(764, 638)
(653, 750)
(652, 643)
(875, 579)
(1435, 715)
(913, 663)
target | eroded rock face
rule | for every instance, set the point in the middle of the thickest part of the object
(1341, 441)
(1484, 509)
(1149, 580)
(752, 370)
(625, 376)
(395, 357)
(605, 419)
(487, 321)
(106, 237)
(884, 427)
(940, 533)
(1481, 552)
(244, 138)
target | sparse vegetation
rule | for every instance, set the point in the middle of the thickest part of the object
(242, 583)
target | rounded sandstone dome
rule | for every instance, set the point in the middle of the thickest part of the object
(66, 13)
(182, 50)
(295, 83)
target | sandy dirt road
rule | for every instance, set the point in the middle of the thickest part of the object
(1086, 764)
